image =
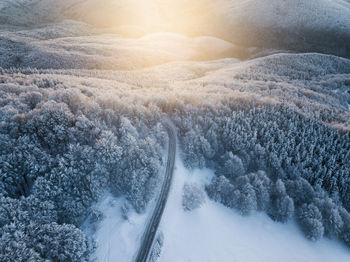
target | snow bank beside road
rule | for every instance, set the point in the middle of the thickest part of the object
(117, 238)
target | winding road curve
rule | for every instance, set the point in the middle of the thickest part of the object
(152, 226)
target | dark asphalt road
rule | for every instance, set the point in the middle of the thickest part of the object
(152, 226)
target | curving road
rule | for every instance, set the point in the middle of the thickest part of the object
(152, 226)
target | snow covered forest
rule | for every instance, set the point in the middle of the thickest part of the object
(81, 109)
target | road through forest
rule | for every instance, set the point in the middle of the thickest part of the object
(152, 226)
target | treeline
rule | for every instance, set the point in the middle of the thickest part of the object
(60, 150)
(273, 159)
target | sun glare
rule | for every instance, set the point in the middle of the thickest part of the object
(140, 17)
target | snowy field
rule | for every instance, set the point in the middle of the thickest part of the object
(209, 234)
(117, 237)
(216, 233)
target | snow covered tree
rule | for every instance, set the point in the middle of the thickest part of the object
(13, 246)
(345, 232)
(231, 166)
(332, 220)
(282, 206)
(262, 186)
(300, 190)
(59, 152)
(310, 220)
(51, 123)
(193, 196)
(60, 242)
(221, 190)
(245, 197)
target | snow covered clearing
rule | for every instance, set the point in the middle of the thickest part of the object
(210, 233)
(216, 233)
(118, 238)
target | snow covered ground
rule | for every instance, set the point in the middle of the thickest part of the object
(118, 238)
(216, 233)
(210, 233)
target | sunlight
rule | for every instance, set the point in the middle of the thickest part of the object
(186, 17)
(141, 17)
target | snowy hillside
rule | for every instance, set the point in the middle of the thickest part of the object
(312, 26)
(258, 93)
(73, 45)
